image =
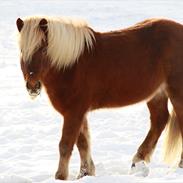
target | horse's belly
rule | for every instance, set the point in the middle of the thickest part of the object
(119, 97)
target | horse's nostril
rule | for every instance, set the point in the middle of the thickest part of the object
(27, 85)
(38, 85)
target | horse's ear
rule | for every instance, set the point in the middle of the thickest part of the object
(43, 25)
(20, 24)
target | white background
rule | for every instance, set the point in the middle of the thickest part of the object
(30, 130)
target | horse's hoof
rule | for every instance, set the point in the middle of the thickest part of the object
(83, 172)
(139, 169)
(87, 170)
(82, 175)
(59, 176)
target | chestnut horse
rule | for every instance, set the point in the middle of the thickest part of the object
(83, 70)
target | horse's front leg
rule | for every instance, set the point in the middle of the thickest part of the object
(70, 132)
(83, 143)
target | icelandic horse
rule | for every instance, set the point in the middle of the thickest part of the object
(83, 70)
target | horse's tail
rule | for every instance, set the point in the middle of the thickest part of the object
(172, 147)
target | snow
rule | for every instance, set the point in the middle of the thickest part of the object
(14, 179)
(30, 130)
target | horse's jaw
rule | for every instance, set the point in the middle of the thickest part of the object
(33, 96)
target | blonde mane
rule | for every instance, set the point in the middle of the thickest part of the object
(67, 39)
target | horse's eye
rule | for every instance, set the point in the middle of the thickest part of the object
(31, 73)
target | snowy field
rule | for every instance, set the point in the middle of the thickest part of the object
(30, 130)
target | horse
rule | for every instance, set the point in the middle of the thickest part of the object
(83, 70)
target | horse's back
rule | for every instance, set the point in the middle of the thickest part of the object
(131, 64)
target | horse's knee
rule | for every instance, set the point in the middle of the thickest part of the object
(65, 149)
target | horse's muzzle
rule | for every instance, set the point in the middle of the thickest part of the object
(33, 90)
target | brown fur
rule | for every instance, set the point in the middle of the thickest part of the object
(125, 67)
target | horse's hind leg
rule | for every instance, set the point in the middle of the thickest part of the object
(83, 143)
(158, 107)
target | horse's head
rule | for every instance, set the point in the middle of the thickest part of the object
(33, 54)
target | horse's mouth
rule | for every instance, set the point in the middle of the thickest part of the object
(33, 95)
(34, 91)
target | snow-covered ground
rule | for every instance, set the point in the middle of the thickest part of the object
(30, 130)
